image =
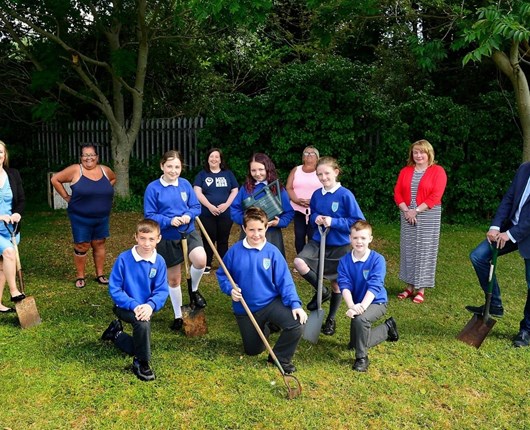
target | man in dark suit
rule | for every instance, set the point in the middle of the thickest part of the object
(510, 230)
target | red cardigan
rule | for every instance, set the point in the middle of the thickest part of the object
(430, 189)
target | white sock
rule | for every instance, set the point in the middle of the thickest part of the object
(175, 294)
(196, 275)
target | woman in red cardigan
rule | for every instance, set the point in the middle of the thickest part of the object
(418, 194)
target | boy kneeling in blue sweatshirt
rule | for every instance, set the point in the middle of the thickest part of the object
(138, 287)
(361, 279)
(265, 282)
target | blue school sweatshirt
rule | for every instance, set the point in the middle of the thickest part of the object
(262, 275)
(344, 210)
(134, 282)
(164, 202)
(363, 276)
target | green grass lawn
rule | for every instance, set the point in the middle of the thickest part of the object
(59, 375)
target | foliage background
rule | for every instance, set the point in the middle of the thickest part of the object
(332, 104)
(360, 80)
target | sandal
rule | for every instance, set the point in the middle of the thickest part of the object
(80, 283)
(102, 280)
(418, 298)
(405, 294)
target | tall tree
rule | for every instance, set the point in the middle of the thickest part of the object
(97, 51)
(501, 31)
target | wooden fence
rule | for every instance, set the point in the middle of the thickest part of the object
(61, 141)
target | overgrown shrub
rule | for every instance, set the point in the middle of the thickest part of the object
(333, 105)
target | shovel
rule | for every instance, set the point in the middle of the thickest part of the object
(479, 326)
(27, 312)
(294, 389)
(313, 326)
(194, 318)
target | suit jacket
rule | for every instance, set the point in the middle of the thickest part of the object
(509, 205)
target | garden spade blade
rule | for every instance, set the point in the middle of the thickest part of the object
(27, 312)
(313, 326)
(479, 326)
(476, 330)
(194, 318)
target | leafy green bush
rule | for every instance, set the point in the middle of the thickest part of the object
(335, 106)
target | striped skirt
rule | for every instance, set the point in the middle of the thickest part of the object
(419, 248)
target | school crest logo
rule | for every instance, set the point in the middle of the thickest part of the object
(209, 181)
(184, 196)
(266, 263)
(365, 274)
(152, 273)
(335, 206)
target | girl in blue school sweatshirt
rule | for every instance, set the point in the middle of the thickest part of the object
(261, 172)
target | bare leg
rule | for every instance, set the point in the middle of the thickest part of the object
(301, 266)
(80, 250)
(2, 284)
(10, 271)
(98, 251)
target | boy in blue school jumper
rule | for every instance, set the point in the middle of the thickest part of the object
(265, 282)
(138, 287)
(361, 279)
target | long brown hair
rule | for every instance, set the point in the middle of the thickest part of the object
(270, 168)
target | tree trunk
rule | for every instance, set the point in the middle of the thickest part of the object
(121, 152)
(511, 67)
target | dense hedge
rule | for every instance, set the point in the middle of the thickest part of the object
(335, 105)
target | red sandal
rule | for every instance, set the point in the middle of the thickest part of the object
(405, 294)
(418, 298)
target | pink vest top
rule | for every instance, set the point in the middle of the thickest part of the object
(304, 185)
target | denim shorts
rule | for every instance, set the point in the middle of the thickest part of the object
(86, 229)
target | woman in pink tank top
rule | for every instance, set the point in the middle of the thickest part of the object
(301, 184)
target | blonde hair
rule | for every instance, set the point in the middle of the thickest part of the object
(330, 161)
(6, 154)
(312, 148)
(424, 146)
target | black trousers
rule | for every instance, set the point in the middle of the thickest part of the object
(218, 228)
(278, 314)
(302, 231)
(139, 344)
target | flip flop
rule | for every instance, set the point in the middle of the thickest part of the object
(80, 282)
(102, 280)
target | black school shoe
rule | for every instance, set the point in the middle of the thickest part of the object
(522, 339)
(287, 366)
(329, 327)
(495, 311)
(393, 335)
(198, 299)
(326, 295)
(142, 370)
(113, 328)
(177, 324)
(361, 364)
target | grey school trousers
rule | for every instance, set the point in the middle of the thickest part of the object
(362, 335)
